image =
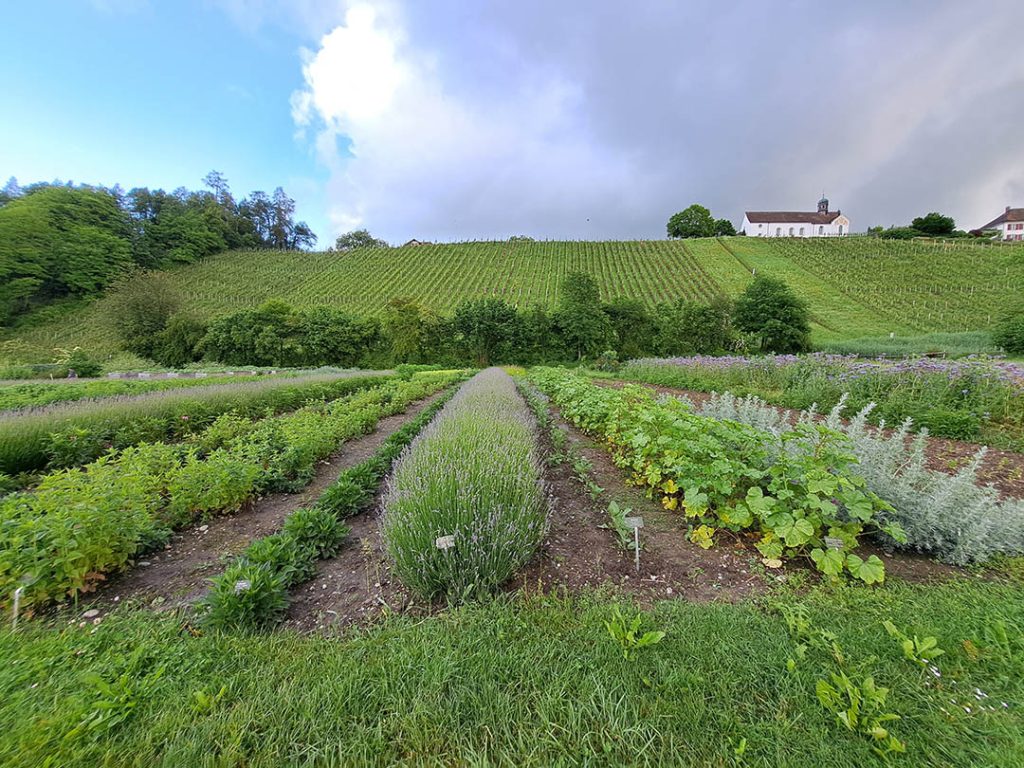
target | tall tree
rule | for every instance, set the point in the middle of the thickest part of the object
(770, 310)
(934, 224)
(694, 221)
(582, 322)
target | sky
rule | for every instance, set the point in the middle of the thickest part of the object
(582, 119)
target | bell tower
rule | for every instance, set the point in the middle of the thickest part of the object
(823, 204)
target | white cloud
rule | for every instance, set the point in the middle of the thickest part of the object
(427, 161)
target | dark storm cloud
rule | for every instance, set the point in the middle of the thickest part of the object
(599, 119)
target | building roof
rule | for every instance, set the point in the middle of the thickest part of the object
(791, 217)
(1010, 214)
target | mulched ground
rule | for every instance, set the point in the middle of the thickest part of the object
(179, 575)
(1002, 469)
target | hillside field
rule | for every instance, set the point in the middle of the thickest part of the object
(857, 287)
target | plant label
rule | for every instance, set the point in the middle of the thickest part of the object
(832, 542)
(633, 522)
(242, 585)
(445, 542)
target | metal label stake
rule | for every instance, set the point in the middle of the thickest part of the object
(636, 523)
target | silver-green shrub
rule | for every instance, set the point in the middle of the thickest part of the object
(474, 474)
(953, 517)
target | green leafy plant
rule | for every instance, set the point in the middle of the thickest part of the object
(617, 522)
(627, 633)
(206, 703)
(860, 707)
(246, 595)
(920, 650)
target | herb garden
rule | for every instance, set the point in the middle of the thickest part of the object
(547, 567)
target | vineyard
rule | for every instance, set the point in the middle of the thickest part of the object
(857, 287)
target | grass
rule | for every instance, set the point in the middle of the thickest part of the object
(946, 344)
(527, 681)
(857, 287)
(474, 475)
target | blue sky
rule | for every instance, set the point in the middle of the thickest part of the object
(153, 94)
(582, 119)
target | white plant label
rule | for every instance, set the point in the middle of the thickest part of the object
(833, 542)
(633, 522)
(242, 585)
(445, 542)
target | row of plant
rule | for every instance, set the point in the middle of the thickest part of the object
(61, 538)
(798, 493)
(72, 434)
(953, 517)
(253, 590)
(39, 393)
(465, 506)
(970, 399)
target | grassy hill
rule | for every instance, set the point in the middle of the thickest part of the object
(856, 287)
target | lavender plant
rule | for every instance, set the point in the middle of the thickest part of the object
(474, 475)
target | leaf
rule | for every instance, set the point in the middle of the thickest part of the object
(828, 561)
(870, 571)
(739, 515)
(702, 535)
(669, 486)
(669, 502)
(795, 531)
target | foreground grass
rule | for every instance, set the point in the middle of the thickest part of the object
(532, 681)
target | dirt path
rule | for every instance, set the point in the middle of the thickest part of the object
(1003, 469)
(179, 574)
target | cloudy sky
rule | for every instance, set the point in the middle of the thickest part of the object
(580, 119)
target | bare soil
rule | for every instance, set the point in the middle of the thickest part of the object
(179, 575)
(1002, 469)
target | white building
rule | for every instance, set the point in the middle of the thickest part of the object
(822, 223)
(1010, 224)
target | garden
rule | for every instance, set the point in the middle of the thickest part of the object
(528, 566)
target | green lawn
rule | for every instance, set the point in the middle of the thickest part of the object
(525, 681)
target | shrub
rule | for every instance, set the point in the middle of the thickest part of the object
(140, 307)
(317, 530)
(177, 344)
(247, 596)
(1009, 334)
(952, 517)
(284, 555)
(769, 309)
(473, 474)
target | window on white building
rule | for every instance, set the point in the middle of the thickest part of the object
(778, 231)
(840, 229)
(790, 231)
(801, 231)
(821, 230)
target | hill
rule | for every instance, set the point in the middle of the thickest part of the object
(856, 287)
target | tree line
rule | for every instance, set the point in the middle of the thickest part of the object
(767, 317)
(62, 240)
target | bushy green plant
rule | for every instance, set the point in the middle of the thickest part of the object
(796, 490)
(952, 516)
(246, 596)
(1009, 334)
(316, 529)
(26, 441)
(284, 555)
(473, 475)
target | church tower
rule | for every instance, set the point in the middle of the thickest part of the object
(823, 204)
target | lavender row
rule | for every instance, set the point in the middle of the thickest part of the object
(465, 505)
